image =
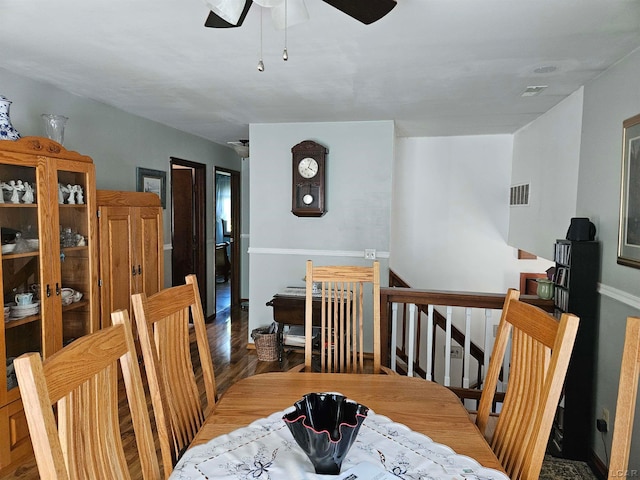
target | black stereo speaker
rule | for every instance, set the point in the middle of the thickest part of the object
(581, 230)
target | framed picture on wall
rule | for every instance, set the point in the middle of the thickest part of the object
(629, 233)
(154, 181)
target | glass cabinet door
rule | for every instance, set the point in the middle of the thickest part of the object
(21, 260)
(75, 271)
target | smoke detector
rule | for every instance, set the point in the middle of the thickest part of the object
(532, 91)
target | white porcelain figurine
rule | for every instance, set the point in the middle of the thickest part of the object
(79, 195)
(15, 195)
(61, 191)
(72, 190)
(28, 193)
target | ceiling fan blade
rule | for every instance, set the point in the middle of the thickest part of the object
(215, 21)
(365, 11)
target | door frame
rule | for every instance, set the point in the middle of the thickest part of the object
(235, 229)
(200, 221)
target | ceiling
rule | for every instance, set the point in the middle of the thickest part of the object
(435, 67)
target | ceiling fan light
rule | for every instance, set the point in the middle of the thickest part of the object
(268, 3)
(228, 10)
(296, 12)
(241, 147)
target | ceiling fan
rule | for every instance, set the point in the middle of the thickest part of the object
(231, 13)
(241, 147)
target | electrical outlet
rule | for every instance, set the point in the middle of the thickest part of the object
(456, 352)
(370, 253)
(602, 423)
(605, 415)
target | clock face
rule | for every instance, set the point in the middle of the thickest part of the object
(308, 168)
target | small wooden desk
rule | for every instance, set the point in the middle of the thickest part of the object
(423, 406)
(288, 309)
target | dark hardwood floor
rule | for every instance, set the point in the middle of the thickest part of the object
(228, 335)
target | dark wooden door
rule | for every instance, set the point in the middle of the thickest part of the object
(188, 224)
(183, 262)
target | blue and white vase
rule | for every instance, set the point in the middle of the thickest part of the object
(7, 132)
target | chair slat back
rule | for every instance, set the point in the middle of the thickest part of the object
(342, 291)
(82, 379)
(626, 404)
(163, 323)
(541, 348)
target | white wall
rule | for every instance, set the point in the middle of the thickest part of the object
(546, 154)
(450, 222)
(358, 198)
(451, 215)
(118, 142)
(244, 230)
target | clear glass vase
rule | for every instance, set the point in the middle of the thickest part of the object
(54, 126)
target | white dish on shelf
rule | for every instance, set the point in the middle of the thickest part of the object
(21, 311)
(33, 243)
(8, 248)
(23, 307)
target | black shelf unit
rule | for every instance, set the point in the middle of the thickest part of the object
(576, 291)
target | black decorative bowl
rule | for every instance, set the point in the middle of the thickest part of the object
(325, 425)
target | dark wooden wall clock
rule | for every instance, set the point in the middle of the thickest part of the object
(308, 193)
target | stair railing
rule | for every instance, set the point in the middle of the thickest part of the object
(406, 312)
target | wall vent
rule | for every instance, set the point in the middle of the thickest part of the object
(519, 195)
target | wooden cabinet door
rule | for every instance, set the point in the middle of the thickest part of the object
(25, 268)
(74, 250)
(131, 248)
(117, 251)
(150, 249)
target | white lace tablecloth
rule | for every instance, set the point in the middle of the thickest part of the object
(266, 450)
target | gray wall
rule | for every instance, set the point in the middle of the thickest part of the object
(359, 176)
(118, 142)
(610, 99)
(593, 187)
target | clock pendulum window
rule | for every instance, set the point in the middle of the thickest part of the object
(308, 179)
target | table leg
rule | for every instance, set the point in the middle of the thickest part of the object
(280, 339)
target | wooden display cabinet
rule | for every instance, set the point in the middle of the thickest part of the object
(131, 248)
(48, 243)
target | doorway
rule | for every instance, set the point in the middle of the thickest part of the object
(188, 224)
(227, 229)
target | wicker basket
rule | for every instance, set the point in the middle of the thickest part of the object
(266, 342)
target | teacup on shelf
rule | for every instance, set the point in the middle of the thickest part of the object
(24, 298)
(67, 296)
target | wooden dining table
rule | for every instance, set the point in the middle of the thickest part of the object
(423, 406)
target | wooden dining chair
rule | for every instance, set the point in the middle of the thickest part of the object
(541, 348)
(82, 380)
(163, 322)
(626, 405)
(341, 291)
